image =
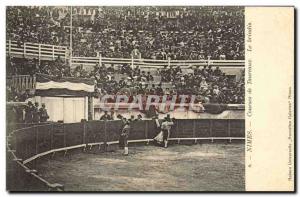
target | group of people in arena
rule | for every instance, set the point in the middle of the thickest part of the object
(163, 128)
(148, 32)
(29, 113)
(34, 114)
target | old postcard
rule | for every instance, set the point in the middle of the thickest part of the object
(150, 98)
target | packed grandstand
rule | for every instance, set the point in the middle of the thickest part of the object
(158, 33)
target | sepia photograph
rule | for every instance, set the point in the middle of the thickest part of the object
(129, 98)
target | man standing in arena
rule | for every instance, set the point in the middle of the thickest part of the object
(125, 134)
(159, 137)
(43, 113)
(166, 127)
(105, 116)
(28, 112)
(36, 113)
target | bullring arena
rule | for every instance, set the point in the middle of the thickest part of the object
(204, 155)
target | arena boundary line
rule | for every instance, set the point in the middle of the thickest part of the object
(52, 151)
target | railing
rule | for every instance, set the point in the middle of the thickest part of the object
(152, 63)
(51, 52)
(22, 82)
(36, 50)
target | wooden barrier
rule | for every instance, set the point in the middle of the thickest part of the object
(36, 50)
(46, 139)
(20, 83)
(22, 178)
(52, 52)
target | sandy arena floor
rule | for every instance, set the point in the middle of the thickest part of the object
(206, 167)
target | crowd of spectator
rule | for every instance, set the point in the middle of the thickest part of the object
(37, 24)
(26, 66)
(12, 95)
(28, 113)
(148, 32)
(34, 114)
(209, 84)
(142, 32)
